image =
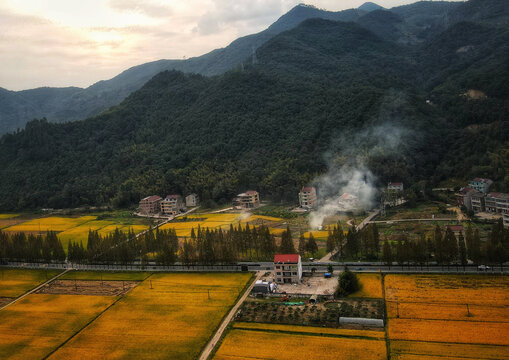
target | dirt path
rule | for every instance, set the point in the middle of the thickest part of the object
(217, 336)
(35, 289)
(88, 287)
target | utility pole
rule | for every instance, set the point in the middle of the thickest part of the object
(151, 284)
(208, 293)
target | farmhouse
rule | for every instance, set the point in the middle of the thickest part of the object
(248, 200)
(464, 197)
(497, 203)
(192, 200)
(150, 205)
(348, 202)
(171, 205)
(506, 219)
(395, 186)
(456, 229)
(288, 268)
(307, 197)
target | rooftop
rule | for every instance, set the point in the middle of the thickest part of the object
(482, 180)
(172, 196)
(152, 198)
(307, 189)
(286, 258)
(498, 195)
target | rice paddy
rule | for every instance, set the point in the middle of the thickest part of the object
(16, 282)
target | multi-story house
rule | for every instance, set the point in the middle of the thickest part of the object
(506, 219)
(171, 205)
(480, 184)
(497, 203)
(307, 197)
(464, 197)
(192, 200)
(150, 205)
(477, 201)
(248, 200)
(288, 268)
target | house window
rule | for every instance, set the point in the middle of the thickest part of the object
(278, 267)
(294, 273)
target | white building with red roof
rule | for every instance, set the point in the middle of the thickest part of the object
(172, 204)
(288, 268)
(395, 186)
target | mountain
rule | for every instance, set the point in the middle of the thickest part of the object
(321, 93)
(370, 6)
(17, 108)
(409, 25)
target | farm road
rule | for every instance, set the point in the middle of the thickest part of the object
(217, 336)
(35, 289)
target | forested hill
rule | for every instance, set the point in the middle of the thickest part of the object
(317, 89)
(410, 23)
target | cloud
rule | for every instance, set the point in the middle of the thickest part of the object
(148, 8)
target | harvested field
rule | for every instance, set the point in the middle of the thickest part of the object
(310, 329)
(88, 287)
(36, 325)
(168, 316)
(247, 344)
(425, 350)
(16, 282)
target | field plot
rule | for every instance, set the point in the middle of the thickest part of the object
(16, 282)
(167, 316)
(8, 216)
(96, 275)
(429, 315)
(371, 286)
(88, 287)
(261, 345)
(73, 228)
(38, 324)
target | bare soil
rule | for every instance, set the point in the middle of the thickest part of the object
(5, 300)
(88, 287)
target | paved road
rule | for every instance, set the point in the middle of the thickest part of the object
(34, 290)
(217, 336)
(411, 220)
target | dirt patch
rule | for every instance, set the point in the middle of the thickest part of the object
(88, 287)
(5, 301)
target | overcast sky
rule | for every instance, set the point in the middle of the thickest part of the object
(78, 42)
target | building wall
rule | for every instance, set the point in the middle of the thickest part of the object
(290, 272)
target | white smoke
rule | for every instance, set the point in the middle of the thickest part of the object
(348, 155)
(343, 189)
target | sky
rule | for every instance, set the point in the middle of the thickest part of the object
(79, 42)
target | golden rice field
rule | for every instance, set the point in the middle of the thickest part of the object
(72, 228)
(371, 286)
(171, 320)
(105, 275)
(321, 234)
(266, 345)
(8, 216)
(36, 325)
(309, 329)
(428, 316)
(16, 282)
(219, 221)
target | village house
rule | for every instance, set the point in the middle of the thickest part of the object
(288, 268)
(307, 197)
(464, 197)
(506, 219)
(497, 203)
(477, 201)
(456, 229)
(248, 200)
(172, 204)
(395, 186)
(480, 184)
(150, 205)
(192, 200)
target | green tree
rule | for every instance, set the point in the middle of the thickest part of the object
(347, 283)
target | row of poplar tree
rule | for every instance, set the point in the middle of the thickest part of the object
(19, 246)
